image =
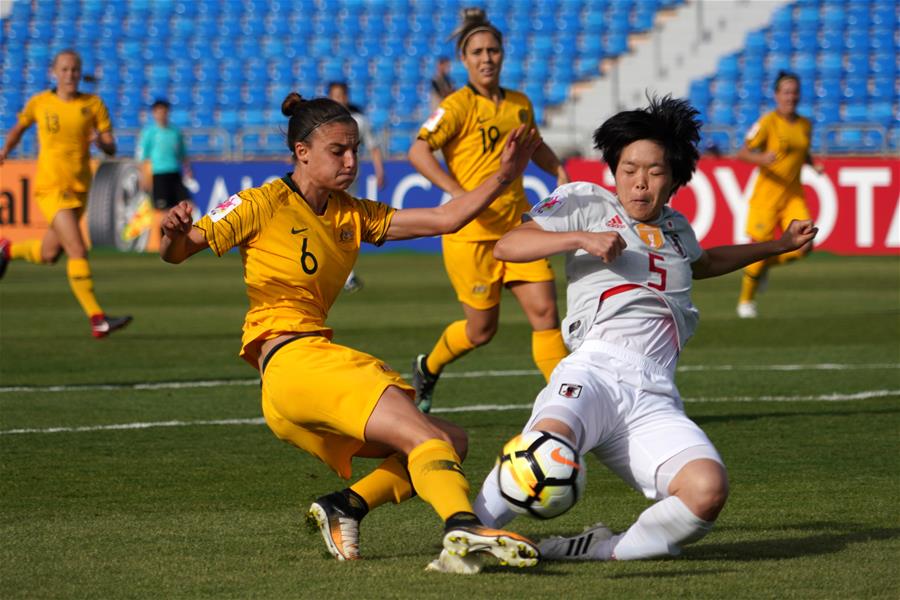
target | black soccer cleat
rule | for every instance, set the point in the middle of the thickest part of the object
(423, 382)
(102, 326)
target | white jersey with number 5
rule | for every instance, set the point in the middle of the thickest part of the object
(641, 300)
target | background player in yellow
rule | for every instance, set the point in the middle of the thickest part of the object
(299, 237)
(469, 127)
(778, 143)
(67, 121)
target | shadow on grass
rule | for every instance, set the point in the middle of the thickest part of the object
(827, 542)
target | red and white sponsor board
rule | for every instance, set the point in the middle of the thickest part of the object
(855, 202)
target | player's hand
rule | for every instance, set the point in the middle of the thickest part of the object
(767, 158)
(520, 145)
(179, 220)
(798, 234)
(606, 245)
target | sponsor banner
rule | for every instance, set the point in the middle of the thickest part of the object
(855, 202)
(404, 188)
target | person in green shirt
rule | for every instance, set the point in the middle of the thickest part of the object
(163, 146)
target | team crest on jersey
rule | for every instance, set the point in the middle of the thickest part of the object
(523, 116)
(570, 390)
(676, 242)
(224, 208)
(547, 206)
(435, 118)
(346, 234)
(616, 223)
(650, 235)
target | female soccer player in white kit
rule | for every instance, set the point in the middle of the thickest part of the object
(630, 260)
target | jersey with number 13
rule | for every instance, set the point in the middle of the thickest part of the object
(295, 261)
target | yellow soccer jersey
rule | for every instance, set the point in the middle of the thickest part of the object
(789, 140)
(64, 132)
(295, 262)
(471, 130)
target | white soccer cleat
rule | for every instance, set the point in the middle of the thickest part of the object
(746, 310)
(579, 547)
(457, 565)
(511, 549)
(339, 529)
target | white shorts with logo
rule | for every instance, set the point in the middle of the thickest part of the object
(625, 409)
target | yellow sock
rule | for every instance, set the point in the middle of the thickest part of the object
(82, 284)
(547, 349)
(388, 483)
(452, 344)
(438, 478)
(29, 250)
(750, 280)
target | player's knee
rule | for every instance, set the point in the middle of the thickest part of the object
(709, 492)
(543, 315)
(481, 334)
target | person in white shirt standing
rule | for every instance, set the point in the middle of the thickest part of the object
(630, 261)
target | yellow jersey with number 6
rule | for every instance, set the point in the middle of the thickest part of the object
(471, 130)
(64, 129)
(295, 261)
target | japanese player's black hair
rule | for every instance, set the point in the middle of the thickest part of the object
(670, 122)
(305, 116)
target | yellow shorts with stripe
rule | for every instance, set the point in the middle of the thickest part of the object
(52, 201)
(478, 277)
(766, 215)
(318, 396)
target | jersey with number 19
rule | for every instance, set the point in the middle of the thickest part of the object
(295, 261)
(641, 299)
(471, 131)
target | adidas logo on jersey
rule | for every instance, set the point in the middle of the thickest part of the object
(615, 223)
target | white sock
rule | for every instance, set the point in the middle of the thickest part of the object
(490, 506)
(661, 530)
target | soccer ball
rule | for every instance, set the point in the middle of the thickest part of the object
(540, 474)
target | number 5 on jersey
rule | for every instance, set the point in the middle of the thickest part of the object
(657, 268)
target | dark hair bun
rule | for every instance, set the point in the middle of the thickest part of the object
(473, 15)
(290, 104)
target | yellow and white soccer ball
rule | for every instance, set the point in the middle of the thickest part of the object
(540, 474)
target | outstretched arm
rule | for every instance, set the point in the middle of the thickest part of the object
(530, 241)
(180, 239)
(12, 140)
(725, 259)
(450, 217)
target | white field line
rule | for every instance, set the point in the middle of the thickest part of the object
(452, 409)
(174, 385)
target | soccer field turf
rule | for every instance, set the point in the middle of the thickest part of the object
(137, 466)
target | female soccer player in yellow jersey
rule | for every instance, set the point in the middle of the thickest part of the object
(299, 237)
(469, 127)
(67, 120)
(778, 143)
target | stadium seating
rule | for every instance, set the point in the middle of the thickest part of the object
(229, 64)
(845, 53)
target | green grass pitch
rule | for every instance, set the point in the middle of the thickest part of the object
(130, 491)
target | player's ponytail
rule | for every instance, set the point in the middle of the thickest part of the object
(474, 21)
(305, 116)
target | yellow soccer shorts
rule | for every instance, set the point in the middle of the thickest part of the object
(52, 201)
(318, 396)
(766, 215)
(478, 277)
